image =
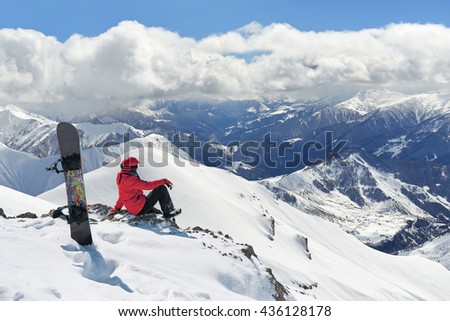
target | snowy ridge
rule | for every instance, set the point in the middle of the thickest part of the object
(98, 134)
(25, 131)
(309, 256)
(427, 104)
(367, 101)
(19, 113)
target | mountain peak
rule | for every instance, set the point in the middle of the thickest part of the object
(366, 101)
(20, 113)
(377, 94)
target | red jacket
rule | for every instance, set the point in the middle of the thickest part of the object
(130, 191)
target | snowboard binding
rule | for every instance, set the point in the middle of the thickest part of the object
(54, 167)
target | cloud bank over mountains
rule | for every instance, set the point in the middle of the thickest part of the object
(131, 64)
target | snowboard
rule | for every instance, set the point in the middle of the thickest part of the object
(69, 146)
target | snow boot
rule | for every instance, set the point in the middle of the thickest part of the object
(172, 213)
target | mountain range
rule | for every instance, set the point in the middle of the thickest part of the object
(387, 184)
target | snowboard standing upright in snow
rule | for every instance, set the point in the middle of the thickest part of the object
(69, 146)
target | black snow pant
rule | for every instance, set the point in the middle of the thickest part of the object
(161, 195)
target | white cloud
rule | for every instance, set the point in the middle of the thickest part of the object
(131, 63)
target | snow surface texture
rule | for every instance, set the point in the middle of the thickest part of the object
(143, 262)
(313, 259)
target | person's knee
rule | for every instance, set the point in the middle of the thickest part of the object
(161, 188)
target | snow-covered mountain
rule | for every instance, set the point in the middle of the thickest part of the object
(393, 195)
(384, 123)
(309, 257)
(370, 200)
(387, 124)
(28, 144)
(422, 105)
(28, 132)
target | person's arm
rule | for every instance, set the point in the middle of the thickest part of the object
(148, 185)
(119, 205)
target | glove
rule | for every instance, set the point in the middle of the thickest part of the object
(168, 183)
(112, 211)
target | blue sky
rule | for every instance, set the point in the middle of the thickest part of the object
(200, 18)
(134, 52)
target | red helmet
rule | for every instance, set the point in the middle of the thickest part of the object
(129, 162)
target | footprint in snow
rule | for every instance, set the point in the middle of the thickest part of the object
(39, 224)
(94, 266)
(113, 238)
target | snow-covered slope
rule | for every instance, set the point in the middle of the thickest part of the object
(437, 250)
(14, 203)
(312, 258)
(26, 173)
(143, 262)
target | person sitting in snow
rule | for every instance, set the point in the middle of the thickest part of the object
(131, 193)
